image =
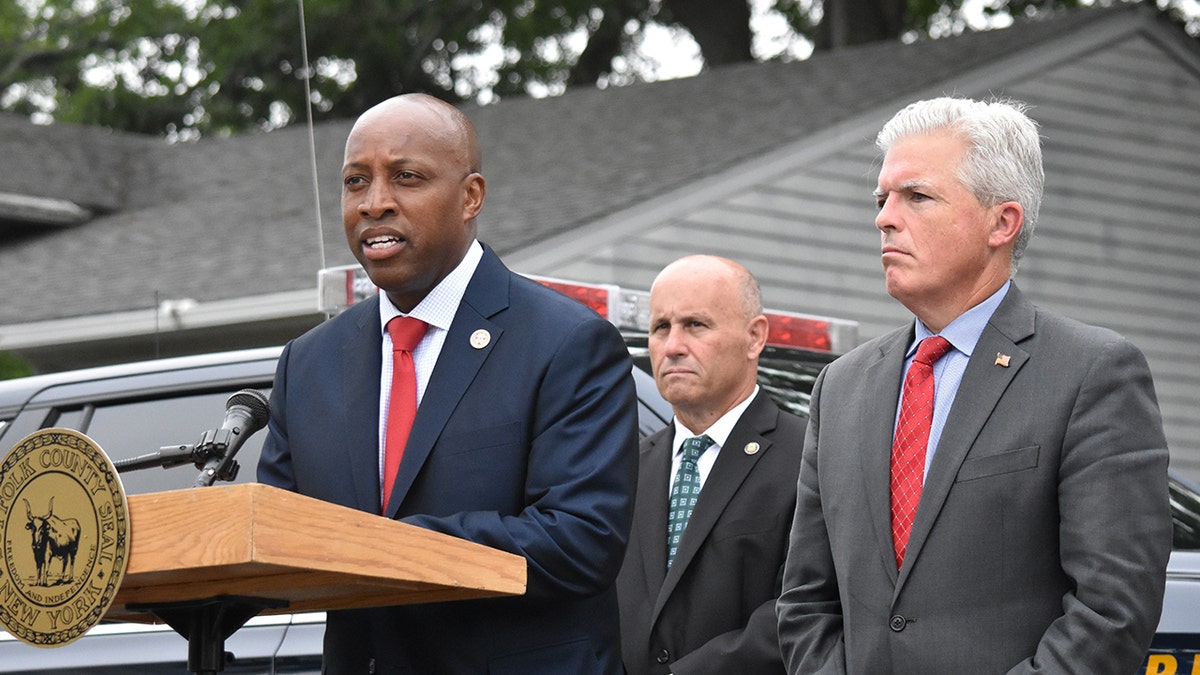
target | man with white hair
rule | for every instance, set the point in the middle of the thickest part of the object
(985, 489)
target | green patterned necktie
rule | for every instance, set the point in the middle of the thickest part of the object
(684, 492)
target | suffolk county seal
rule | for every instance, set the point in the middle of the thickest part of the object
(64, 523)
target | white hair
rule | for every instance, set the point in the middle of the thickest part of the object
(1003, 161)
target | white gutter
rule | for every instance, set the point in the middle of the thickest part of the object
(41, 210)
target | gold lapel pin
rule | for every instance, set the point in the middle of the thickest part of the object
(751, 448)
(1002, 360)
(480, 338)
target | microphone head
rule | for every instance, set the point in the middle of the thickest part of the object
(256, 403)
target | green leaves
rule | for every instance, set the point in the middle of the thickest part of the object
(185, 68)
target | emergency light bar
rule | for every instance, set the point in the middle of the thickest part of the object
(628, 310)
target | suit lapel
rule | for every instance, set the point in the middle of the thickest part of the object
(728, 473)
(361, 355)
(457, 365)
(983, 383)
(877, 418)
(654, 484)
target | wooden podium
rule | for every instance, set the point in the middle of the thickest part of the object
(206, 560)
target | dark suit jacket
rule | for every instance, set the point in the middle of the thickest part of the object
(527, 445)
(1042, 536)
(714, 612)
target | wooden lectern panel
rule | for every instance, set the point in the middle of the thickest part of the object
(260, 541)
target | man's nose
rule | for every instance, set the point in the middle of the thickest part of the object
(377, 201)
(886, 218)
(675, 342)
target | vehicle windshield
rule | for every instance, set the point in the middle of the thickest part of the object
(1185, 513)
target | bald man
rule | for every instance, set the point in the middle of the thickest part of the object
(524, 436)
(697, 592)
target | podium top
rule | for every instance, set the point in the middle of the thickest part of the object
(261, 541)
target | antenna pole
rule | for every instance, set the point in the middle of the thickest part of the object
(312, 142)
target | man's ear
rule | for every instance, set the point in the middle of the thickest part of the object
(475, 192)
(758, 329)
(1008, 219)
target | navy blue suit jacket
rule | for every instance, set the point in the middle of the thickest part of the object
(528, 445)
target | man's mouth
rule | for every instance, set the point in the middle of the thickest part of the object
(382, 242)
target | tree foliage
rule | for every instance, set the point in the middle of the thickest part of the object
(13, 366)
(189, 67)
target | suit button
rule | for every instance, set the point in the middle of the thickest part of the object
(897, 623)
(663, 656)
(370, 666)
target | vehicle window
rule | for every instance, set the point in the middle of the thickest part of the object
(789, 384)
(135, 428)
(1185, 515)
(654, 413)
(19, 427)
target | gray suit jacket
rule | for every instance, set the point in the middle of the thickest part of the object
(1042, 536)
(714, 612)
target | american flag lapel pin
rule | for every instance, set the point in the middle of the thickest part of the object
(1002, 360)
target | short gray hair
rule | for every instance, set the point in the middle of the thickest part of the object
(749, 293)
(1004, 153)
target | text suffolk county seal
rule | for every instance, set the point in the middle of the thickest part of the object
(64, 523)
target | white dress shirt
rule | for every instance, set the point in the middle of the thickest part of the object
(719, 432)
(437, 309)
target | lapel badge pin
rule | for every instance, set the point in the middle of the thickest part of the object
(1002, 360)
(751, 448)
(480, 338)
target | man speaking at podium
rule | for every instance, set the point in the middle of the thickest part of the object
(467, 400)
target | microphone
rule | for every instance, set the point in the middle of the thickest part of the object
(245, 413)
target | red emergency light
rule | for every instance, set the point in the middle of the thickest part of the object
(799, 331)
(589, 295)
(627, 309)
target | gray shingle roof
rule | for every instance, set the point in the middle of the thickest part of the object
(225, 218)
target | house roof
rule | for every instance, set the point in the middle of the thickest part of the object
(198, 247)
(234, 217)
(557, 164)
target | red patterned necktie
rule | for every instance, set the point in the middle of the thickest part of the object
(406, 333)
(912, 440)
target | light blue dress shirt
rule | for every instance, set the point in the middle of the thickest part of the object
(963, 334)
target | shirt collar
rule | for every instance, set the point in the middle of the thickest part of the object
(440, 305)
(963, 332)
(719, 431)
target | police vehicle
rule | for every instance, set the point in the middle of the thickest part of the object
(134, 409)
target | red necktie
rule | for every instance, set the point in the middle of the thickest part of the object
(912, 440)
(406, 333)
